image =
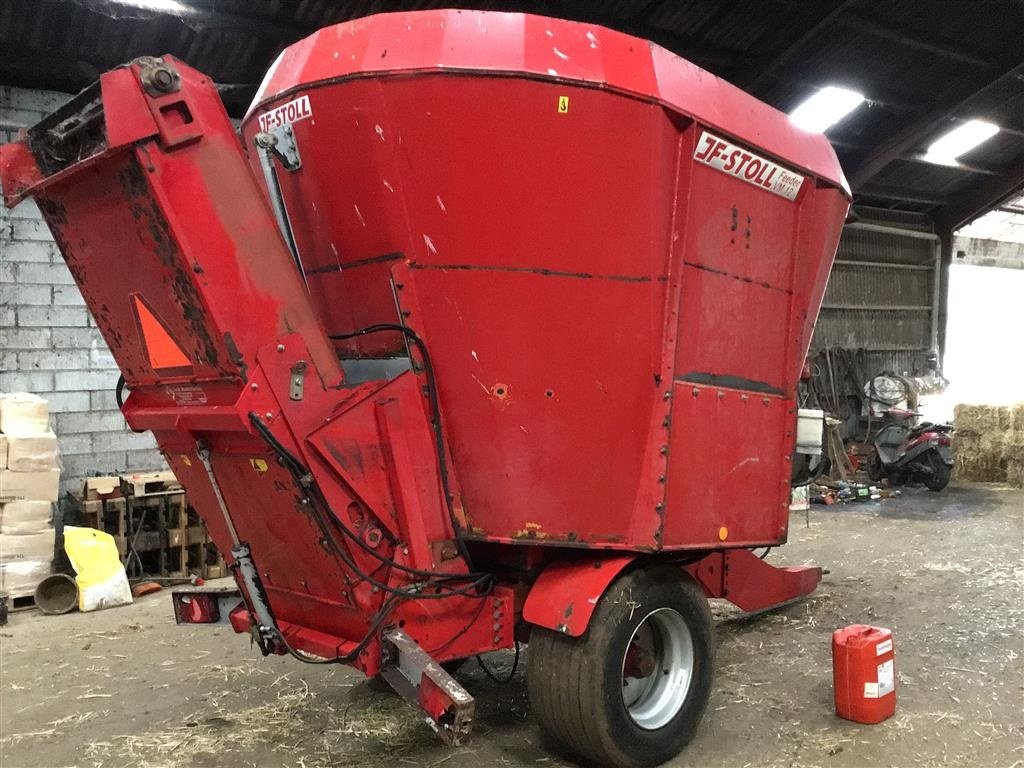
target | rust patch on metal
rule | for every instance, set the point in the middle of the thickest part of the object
(328, 268)
(531, 531)
(729, 382)
(741, 278)
(348, 457)
(537, 271)
(145, 210)
(235, 355)
(54, 212)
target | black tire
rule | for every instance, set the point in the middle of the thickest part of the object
(876, 470)
(576, 684)
(939, 477)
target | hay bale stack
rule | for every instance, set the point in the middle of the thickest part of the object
(1013, 447)
(988, 443)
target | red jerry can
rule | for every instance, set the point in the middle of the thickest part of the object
(863, 673)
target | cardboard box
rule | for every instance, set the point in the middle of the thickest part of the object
(148, 483)
(21, 579)
(31, 453)
(30, 547)
(101, 487)
(40, 486)
(23, 413)
(3, 451)
(18, 518)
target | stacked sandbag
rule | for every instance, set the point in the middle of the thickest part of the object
(29, 482)
(988, 443)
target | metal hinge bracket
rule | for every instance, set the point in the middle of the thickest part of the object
(281, 142)
(297, 382)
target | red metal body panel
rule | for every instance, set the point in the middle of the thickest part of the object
(733, 481)
(565, 595)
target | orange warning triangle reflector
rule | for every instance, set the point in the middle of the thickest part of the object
(163, 351)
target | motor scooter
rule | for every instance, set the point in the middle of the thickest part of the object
(905, 452)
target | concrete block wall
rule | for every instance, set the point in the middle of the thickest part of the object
(49, 344)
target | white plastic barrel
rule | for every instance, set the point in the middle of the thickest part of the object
(810, 428)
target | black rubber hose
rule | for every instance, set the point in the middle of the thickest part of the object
(494, 677)
(119, 399)
(318, 504)
(119, 391)
(435, 414)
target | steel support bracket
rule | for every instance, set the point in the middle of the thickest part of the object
(281, 143)
(296, 383)
(751, 584)
(204, 605)
(421, 681)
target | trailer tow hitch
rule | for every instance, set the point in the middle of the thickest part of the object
(422, 682)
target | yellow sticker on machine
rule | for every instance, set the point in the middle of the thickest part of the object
(260, 465)
(563, 104)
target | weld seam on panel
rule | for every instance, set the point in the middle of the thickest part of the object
(541, 271)
(729, 382)
(354, 264)
(741, 278)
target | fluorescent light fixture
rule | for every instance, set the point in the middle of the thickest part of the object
(166, 6)
(959, 141)
(825, 108)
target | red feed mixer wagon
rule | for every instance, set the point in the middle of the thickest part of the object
(486, 328)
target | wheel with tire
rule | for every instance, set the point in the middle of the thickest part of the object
(631, 690)
(939, 477)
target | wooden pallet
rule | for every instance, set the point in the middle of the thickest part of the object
(143, 484)
(21, 603)
(156, 530)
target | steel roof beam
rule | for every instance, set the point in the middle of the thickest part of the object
(902, 196)
(47, 70)
(914, 39)
(200, 18)
(907, 139)
(751, 77)
(981, 170)
(980, 199)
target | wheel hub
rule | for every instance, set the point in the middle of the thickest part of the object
(657, 669)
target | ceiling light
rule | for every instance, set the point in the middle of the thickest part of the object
(825, 108)
(166, 6)
(959, 141)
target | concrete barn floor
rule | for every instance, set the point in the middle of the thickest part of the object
(126, 687)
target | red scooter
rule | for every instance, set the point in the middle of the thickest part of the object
(908, 453)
